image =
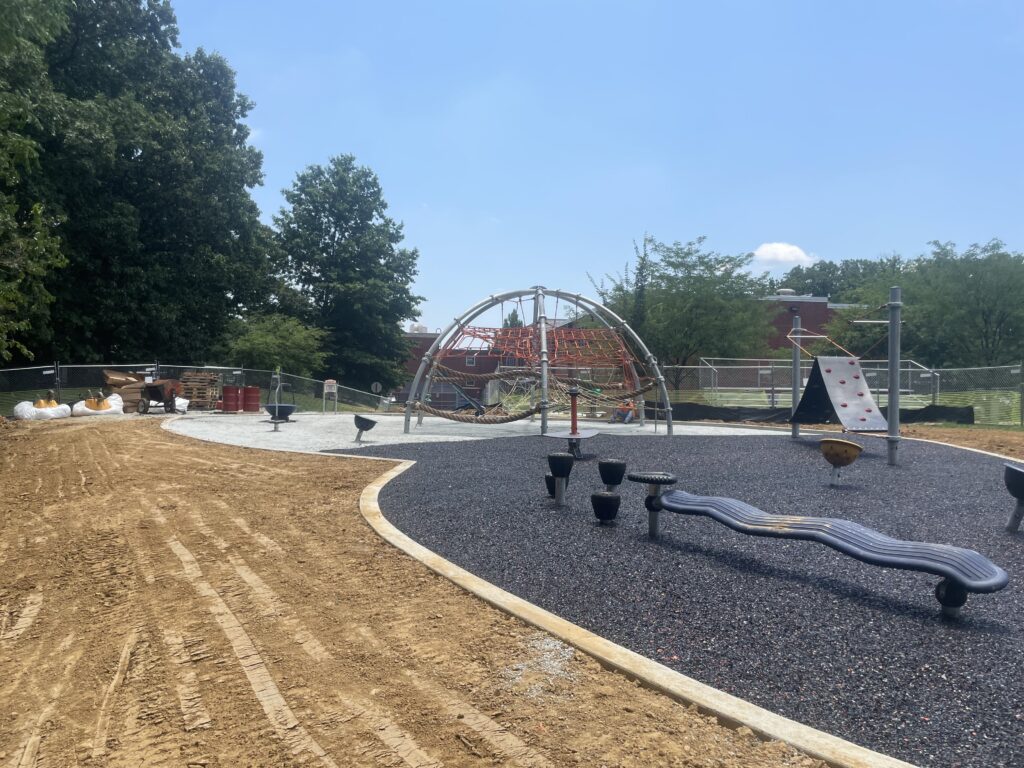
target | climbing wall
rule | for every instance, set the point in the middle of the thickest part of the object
(837, 391)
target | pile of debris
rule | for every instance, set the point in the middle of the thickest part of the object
(201, 388)
(133, 388)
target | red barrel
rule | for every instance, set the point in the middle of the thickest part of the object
(232, 399)
(251, 399)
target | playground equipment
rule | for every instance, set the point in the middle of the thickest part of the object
(560, 465)
(612, 471)
(279, 412)
(1014, 479)
(534, 365)
(835, 391)
(962, 570)
(575, 435)
(606, 506)
(606, 502)
(363, 424)
(839, 453)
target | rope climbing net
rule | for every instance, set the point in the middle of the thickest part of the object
(506, 384)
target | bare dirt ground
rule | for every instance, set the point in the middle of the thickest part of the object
(170, 602)
(1006, 442)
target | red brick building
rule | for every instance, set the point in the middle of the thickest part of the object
(815, 313)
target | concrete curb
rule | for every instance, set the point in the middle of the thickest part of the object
(730, 710)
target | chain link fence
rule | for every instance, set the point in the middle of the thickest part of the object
(994, 393)
(75, 382)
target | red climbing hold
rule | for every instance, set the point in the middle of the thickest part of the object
(828, 370)
(856, 375)
(843, 404)
(853, 362)
(842, 381)
(860, 394)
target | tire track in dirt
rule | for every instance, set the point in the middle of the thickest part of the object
(398, 742)
(99, 740)
(504, 745)
(192, 708)
(27, 755)
(274, 705)
(262, 539)
(26, 616)
(272, 607)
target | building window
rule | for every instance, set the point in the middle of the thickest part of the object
(471, 362)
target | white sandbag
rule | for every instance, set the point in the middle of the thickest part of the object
(26, 411)
(180, 405)
(114, 401)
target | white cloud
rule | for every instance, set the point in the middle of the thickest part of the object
(783, 255)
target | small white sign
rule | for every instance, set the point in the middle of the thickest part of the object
(376, 387)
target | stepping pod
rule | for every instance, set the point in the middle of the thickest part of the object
(612, 471)
(606, 506)
(560, 465)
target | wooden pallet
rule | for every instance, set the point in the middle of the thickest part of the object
(200, 388)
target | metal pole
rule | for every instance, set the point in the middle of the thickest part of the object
(795, 432)
(542, 325)
(56, 376)
(895, 307)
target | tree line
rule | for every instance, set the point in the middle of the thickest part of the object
(127, 226)
(961, 308)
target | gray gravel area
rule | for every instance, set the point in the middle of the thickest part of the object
(856, 650)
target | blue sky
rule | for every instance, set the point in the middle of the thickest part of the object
(526, 143)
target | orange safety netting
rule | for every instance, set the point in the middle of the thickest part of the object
(566, 346)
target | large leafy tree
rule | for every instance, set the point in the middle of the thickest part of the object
(29, 249)
(343, 255)
(686, 301)
(144, 156)
(268, 341)
(965, 308)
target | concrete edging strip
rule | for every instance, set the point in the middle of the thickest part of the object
(730, 710)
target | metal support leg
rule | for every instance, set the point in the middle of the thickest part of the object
(1013, 524)
(653, 504)
(559, 491)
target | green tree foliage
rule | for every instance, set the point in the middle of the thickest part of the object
(961, 309)
(269, 341)
(966, 309)
(839, 280)
(343, 256)
(512, 319)
(686, 302)
(143, 156)
(29, 250)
